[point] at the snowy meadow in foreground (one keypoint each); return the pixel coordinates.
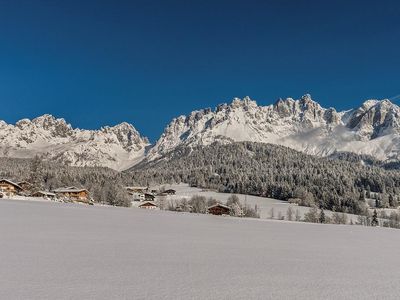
(62, 251)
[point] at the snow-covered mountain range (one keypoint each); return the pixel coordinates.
(117, 147)
(372, 129)
(304, 125)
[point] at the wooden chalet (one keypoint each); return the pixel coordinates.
(9, 188)
(219, 209)
(149, 197)
(148, 205)
(44, 194)
(73, 194)
(170, 192)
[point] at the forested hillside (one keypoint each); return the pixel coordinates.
(277, 172)
(105, 185)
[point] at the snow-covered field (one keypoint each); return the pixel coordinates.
(264, 205)
(66, 251)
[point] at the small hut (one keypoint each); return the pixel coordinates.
(219, 209)
(148, 205)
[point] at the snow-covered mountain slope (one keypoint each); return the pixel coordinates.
(302, 124)
(117, 147)
(372, 129)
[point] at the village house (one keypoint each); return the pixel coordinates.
(44, 194)
(9, 188)
(219, 209)
(73, 194)
(148, 205)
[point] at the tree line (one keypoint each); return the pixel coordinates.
(277, 172)
(105, 185)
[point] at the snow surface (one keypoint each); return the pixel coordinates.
(64, 251)
(264, 205)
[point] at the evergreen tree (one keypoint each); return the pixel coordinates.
(374, 221)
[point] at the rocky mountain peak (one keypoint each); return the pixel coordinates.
(301, 124)
(375, 118)
(245, 103)
(54, 138)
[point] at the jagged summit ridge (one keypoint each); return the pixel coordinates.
(53, 138)
(301, 124)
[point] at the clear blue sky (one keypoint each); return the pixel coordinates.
(103, 62)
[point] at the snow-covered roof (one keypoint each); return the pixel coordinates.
(219, 205)
(147, 203)
(11, 182)
(69, 190)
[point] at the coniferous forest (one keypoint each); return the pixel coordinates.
(339, 183)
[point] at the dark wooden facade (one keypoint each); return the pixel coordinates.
(219, 209)
(73, 194)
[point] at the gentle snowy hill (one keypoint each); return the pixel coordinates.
(61, 251)
(304, 125)
(117, 147)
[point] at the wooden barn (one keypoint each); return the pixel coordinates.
(9, 188)
(73, 194)
(219, 209)
(148, 205)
